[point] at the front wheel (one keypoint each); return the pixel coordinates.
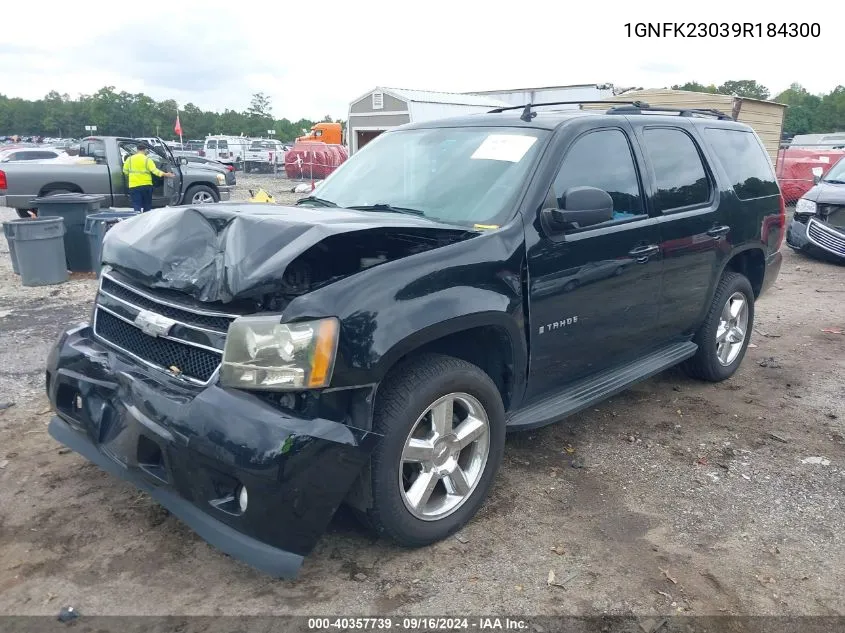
(201, 194)
(443, 424)
(723, 338)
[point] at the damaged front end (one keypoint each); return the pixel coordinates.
(818, 226)
(190, 384)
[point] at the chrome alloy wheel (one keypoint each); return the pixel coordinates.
(202, 197)
(733, 328)
(444, 456)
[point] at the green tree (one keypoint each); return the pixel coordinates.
(694, 86)
(126, 114)
(744, 88)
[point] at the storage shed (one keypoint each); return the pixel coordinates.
(384, 108)
(765, 117)
(550, 94)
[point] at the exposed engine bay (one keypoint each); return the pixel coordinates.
(228, 253)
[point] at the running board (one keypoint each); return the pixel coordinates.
(593, 389)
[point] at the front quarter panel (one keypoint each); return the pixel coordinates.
(389, 310)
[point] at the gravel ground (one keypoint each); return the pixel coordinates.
(685, 497)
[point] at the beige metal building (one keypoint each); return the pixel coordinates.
(765, 117)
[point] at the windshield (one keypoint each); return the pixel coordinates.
(837, 172)
(468, 175)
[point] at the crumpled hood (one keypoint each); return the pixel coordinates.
(223, 252)
(826, 193)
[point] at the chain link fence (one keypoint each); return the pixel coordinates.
(799, 167)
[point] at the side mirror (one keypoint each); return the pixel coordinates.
(99, 154)
(580, 207)
(818, 172)
(183, 161)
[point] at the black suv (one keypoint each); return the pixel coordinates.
(252, 367)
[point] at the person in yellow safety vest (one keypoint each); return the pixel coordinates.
(139, 169)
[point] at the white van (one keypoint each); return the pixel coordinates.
(226, 149)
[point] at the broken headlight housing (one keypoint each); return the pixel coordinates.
(262, 353)
(805, 207)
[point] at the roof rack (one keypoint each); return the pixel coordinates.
(627, 107)
(527, 114)
(640, 107)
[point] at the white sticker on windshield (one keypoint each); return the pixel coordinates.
(508, 147)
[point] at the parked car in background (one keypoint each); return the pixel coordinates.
(263, 155)
(21, 182)
(29, 153)
(818, 223)
(229, 170)
(227, 149)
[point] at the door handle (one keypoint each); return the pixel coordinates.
(642, 253)
(719, 231)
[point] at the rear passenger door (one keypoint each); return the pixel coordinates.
(594, 291)
(693, 229)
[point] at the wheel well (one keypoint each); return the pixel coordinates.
(751, 264)
(53, 186)
(488, 348)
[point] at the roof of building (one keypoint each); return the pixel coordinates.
(569, 87)
(431, 96)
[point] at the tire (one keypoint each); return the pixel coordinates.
(706, 364)
(402, 408)
(200, 194)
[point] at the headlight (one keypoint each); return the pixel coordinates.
(221, 179)
(805, 207)
(261, 353)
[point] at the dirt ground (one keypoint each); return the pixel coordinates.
(690, 498)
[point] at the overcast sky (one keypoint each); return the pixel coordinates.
(313, 58)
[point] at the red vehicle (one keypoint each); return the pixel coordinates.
(795, 169)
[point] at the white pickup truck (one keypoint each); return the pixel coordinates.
(263, 155)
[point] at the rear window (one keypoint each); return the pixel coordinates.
(222, 145)
(211, 145)
(745, 161)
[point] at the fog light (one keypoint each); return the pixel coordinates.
(243, 498)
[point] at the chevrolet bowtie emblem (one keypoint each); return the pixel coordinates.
(154, 324)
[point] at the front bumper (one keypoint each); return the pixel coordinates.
(225, 192)
(191, 448)
(822, 240)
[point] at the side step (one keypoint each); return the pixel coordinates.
(593, 389)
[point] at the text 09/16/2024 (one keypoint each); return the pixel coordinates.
(723, 29)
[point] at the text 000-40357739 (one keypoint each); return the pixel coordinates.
(722, 29)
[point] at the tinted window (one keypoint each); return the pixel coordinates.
(222, 145)
(603, 159)
(746, 162)
(211, 145)
(680, 175)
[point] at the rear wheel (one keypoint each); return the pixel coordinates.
(723, 338)
(444, 432)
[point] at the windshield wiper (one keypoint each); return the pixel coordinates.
(834, 181)
(382, 206)
(320, 202)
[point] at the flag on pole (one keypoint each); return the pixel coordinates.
(178, 128)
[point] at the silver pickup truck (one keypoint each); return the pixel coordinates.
(21, 183)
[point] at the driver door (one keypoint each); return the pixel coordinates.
(595, 290)
(169, 191)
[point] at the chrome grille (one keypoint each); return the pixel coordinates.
(825, 237)
(190, 345)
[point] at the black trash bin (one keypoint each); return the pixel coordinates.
(73, 208)
(96, 226)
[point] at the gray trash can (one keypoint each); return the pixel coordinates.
(40, 250)
(96, 227)
(73, 208)
(7, 231)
